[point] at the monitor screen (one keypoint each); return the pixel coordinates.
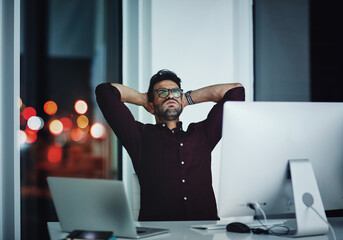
(258, 140)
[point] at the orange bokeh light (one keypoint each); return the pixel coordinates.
(82, 121)
(67, 123)
(55, 154)
(98, 131)
(77, 134)
(29, 112)
(56, 127)
(50, 107)
(81, 107)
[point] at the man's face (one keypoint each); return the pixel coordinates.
(170, 107)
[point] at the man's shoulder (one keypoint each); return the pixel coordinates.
(195, 126)
(147, 126)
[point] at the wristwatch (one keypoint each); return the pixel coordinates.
(189, 99)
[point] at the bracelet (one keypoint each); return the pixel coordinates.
(189, 99)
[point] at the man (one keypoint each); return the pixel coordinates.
(173, 166)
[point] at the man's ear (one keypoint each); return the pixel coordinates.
(151, 108)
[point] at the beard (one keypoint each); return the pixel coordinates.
(168, 114)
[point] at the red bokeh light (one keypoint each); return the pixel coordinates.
(77, 134)
(29, 112)
(67, 123)
(55, 154)
(31, 135)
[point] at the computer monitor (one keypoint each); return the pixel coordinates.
(259, 139)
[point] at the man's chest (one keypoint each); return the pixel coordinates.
(175, 150)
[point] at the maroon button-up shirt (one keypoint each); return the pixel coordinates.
(173, 166)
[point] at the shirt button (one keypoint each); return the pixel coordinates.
(182, 162)
(163, 125)
(173, 131)
(185, 198)
(183, 180)
(181, 144)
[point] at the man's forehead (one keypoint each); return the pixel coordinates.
(166, 84)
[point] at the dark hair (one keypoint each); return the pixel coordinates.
(161, 75)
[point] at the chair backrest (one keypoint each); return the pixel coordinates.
(136, 195)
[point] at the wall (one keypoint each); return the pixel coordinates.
(205, 42)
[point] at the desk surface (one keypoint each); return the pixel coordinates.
(182, 230)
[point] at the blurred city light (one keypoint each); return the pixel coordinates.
(67, 123)
(97, 131)
(77, 134)
(22, 137)
(55, 154)
(82, 121)
(61, 139)
(31, 136)
(50, 107)
(56, 127)
(81, 107)
(35, 123)
(29, 112)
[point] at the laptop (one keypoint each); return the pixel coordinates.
(95, 205)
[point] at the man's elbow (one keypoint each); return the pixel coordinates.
(236, 92)
(100, 88)
(235, 85)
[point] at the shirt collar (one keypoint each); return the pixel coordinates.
(163, 125)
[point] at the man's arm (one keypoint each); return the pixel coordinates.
(130, 95)
(213, 93)
(213, 122)
(119, 117)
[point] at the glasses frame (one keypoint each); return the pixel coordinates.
(172, 90)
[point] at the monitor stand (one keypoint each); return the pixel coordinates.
(306, 194)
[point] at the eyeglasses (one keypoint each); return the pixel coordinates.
(164, 92)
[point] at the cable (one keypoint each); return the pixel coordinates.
(308, 200)
(261, 210)
(268, 229)
(330, 227)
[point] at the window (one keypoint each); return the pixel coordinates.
(66, 50)
(297, 51)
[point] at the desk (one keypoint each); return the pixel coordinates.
(181, 230)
